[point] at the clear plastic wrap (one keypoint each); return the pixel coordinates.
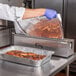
(46, 28)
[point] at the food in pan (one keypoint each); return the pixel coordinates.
(46, 28)
(28, 55)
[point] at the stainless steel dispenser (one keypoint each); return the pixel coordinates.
(61, 47)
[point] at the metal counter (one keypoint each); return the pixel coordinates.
(51, 68)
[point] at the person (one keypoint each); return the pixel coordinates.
(15, 14)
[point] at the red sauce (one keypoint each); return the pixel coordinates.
(28, 55)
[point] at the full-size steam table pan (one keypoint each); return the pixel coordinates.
(26, 61)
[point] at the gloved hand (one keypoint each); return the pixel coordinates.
(49, 13)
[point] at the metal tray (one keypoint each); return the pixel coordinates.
(26, 61)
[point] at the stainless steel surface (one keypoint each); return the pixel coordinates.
(67, 70)
(12, 2)
(33, 3)
(61, 47)
(51, 68)
(52, 4)
(26, 61)
(4, 1)
(4, 37)
(71, 22)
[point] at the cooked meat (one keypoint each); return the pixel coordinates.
(28, 55)
(47, 28)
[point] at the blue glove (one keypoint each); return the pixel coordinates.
(49, 13)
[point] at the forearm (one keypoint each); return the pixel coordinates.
(29, 13)
(13, 13)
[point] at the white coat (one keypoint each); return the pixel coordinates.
(12, 13)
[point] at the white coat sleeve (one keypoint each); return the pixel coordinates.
(11, 12)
